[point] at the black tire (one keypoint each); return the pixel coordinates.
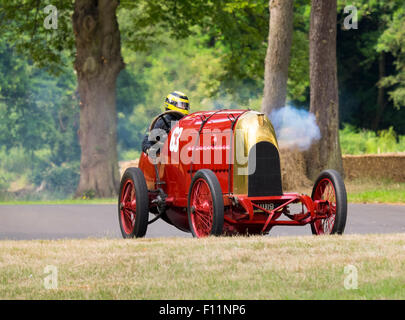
(142, 203)
(341, 200)
(217, 202)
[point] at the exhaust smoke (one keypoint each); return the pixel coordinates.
(295, 128)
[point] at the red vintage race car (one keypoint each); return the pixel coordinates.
(218, 173)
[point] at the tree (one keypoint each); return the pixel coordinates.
(97, 49)
(324, 101)
(95, 42)
(98, 63)
(278, 55)
(276, 74)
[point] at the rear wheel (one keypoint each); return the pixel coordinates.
(133, 204)
(205, 205)
(330, 187)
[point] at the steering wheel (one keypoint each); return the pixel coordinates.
(161, 116)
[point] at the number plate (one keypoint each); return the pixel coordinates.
(267, 206)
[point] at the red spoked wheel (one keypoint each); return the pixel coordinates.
(330, 188)
(201, 208)
(133, 204)
(205, 205)
(128, 207)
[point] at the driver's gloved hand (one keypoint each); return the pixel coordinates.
(153, 153)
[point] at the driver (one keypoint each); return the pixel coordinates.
(177, 106)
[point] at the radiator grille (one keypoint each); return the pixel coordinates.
(266, 179)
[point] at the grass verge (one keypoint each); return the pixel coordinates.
(385, 191)
(370, 191)
(65, 201)
(213, 268)
(358, 191)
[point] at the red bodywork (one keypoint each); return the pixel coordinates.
(242, 214)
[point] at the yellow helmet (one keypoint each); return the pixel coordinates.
(178, 101)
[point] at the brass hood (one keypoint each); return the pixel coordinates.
(252, 127)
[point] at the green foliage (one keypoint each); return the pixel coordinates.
(20, 117)
(393, 40)
(238, 27)
(14, 169)
(38, 126)
(187, 65)
(355, 141)
(62, 179)
(359, 73)
(22, 24)
(25, 173)
(131, 130)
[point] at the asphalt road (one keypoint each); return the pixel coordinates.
(27, 222)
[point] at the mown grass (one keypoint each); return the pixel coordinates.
(214, 268)
(370, 191)
(383, 191)
(379, 196)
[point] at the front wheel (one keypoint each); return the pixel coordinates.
(205, 205)
(133, 204)
(330, 187)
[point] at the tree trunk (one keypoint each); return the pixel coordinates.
(381, 102)
(278, 55)
(275, 86)
(98, 63)
(326, 153)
